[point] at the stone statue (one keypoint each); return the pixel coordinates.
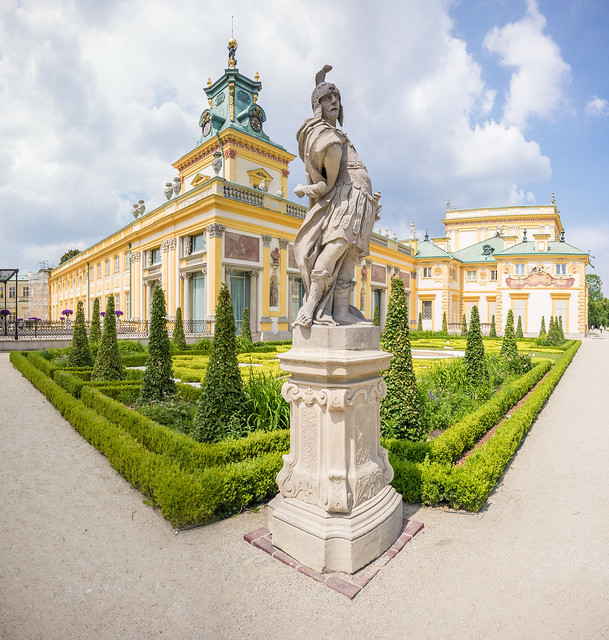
(335, 234)
(413, 230)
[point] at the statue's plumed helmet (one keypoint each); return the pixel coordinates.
(323, 88)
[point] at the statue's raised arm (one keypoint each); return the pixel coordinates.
(335, 234)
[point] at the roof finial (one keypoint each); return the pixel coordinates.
(562, 235)
(232, 50)
(553, 198)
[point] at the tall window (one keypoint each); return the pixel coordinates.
(493, 275)
(426, 272)
(11, 292)
(426, 310)
(127, 305)
(297, 292)
(25, 292)
(198, 243)
(108, 267)
(198, 301)
(127, 259)
(117, 264)
(99, 271)
(156, 255)
(240, 293)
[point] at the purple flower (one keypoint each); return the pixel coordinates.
(66, 312)
(5, 312)
(102, 313)
(118, 313)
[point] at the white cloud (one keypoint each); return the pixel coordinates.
(537, 84)
(597, 107)
(100, 98)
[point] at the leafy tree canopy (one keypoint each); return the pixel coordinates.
(70, 253)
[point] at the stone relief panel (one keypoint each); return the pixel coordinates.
(240, 247)
(378, 273)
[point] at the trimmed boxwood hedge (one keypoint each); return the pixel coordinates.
(435, 480)
(184, 497)
(194, 483)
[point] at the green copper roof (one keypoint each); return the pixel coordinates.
(427, 249)
(555, 248)
(483, 251)
(233, 105)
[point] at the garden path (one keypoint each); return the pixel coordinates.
(83, 557)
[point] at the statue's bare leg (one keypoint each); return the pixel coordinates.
(342, 313)
(320, 281)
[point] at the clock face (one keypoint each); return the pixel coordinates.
(256, 123)
(207, 127)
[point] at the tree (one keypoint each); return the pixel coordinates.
(80, 354)
(519, 333)
(108, 364)
(246, 344)
(222, 402)
(542, 329)
(464, 326)
(158, 383)
(95, 331)
(493, 330)
(595, 284)
(444, 323)
(420, 323)
(68, 254)
(561, 333)
(376, 316)
(400, 408)
(509, 348)
(179, 339)
(475, 360)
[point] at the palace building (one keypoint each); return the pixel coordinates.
(227, 218)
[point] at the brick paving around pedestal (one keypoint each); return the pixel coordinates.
(349, 586)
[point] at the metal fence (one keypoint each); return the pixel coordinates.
(11, 330)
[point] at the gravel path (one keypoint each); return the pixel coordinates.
(83, 557)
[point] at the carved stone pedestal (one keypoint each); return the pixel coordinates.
(336, 510)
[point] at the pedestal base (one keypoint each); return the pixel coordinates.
(326, 541)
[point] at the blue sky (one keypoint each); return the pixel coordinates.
(483, 103)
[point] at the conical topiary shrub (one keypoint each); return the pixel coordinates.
(444, 323)
(246, 344)
(475, 361)
(179, 339)
(80, 354)
(519, 333)
(464, 326)
(493, 330)
(561, 333)
(509, 348)
(108, 364)
(95, 331)
(420, 323)
(158, 383)
(400, 409)
(542, 329)
(376, 317)
(222, 403)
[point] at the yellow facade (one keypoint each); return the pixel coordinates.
(232, 222)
